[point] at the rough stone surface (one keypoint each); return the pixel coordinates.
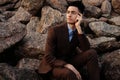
(111, 65)
(10, 33)
(27, 40)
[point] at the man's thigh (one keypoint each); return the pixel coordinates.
(82, 58)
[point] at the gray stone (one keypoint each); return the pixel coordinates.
(21, 16)
(27, 63)
(111, 65)
(115, 20)
(32, 6)
(93, 11)
(8, 72)
(99, 40)
(58, 4)
(104, 29)
(10, 33)
(34, 42)
(106, 8)
(48, 19)
(92, 2)
(116, 6)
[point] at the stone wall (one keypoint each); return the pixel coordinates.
(23, 31)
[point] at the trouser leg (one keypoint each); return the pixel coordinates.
(88, 58)
(63, 74)
(45, 76)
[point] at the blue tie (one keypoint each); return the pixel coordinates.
(71, 35)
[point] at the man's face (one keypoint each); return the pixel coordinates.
(71, 14)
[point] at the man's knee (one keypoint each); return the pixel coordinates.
(63, 73)
(92, 52)
(91, 55)
(67, 72)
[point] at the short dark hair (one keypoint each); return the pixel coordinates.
(77, 4)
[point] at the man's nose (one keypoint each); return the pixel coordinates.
(69, 14)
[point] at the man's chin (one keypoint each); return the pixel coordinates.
(70, 22)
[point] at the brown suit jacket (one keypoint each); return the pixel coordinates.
(58, 48)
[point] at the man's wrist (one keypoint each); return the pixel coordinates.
(66, 65)
(72, 68)
(79, 30)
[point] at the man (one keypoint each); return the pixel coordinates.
(67, 49)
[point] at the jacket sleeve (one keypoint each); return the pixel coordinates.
(83, 42)
(50, 50)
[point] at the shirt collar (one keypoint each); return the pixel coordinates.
(69, 29)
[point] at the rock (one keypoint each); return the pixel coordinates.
(97, 41)
(34, 42)
(21, 16)
(104, 29)
(27, 63)
(48, 19)
(104, 44)
(103, 19)
(58, 4)
(111, 65)
(106, 8)
(92, 11)
(8, 14)
(73, 0)
(10, 33)
(2, 2)
(8, 72)
(32, 6)
(37, 16)
(115, 20)
(2, 18)
(116, 6)
(7, 7)
(108, 46)
(92, 2)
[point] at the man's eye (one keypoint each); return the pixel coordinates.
(67, 12)
(73, 12)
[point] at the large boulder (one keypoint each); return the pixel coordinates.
(58, 4)
(116, 6)
(33, 43)
(111, 65)
(104, 29)
(10, 33)
(8, 72)
(92, 2)
(32, 6)
(21, 16)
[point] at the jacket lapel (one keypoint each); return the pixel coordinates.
(65, 34)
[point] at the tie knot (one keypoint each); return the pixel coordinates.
(73, 32)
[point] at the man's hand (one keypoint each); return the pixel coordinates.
(78, 22)
(72, 68)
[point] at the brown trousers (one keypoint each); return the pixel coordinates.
(88, 59)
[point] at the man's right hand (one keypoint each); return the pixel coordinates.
(72, 68)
